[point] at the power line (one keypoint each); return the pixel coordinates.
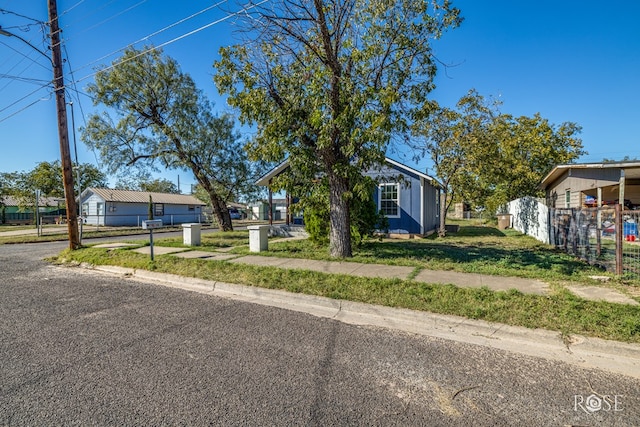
(24, 97)
(25, 55)
(25, 28)
(75, 88)
(72, 7)
(153, 34)
(23, 108)
(5, 11)
(19, 75)
(105, 20)
(93, 12)
(190, 33)
(23, 79)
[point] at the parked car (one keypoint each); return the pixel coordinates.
(235, 213)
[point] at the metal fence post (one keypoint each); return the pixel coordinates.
(619, 237)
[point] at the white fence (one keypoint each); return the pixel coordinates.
(530, 216)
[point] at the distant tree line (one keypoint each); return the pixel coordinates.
(46, 177)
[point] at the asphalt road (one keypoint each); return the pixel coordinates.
(80, 348)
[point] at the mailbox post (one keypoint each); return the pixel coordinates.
(150, 225)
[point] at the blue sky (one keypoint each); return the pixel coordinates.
(568, 60)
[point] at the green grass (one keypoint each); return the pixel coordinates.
(561, 311)
(88, 233)
(11, 227)
(210, 241)
(474, 249)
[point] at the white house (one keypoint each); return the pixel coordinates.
(104, 206)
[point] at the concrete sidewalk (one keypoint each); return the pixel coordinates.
(465, 280)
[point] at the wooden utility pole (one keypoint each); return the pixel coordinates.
(63, 128)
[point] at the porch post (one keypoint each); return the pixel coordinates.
(619, 237)
(621, 190)
(599, 222)
(288, 202)
(270, 204)
(422, 206)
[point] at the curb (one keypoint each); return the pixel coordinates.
(585, 352)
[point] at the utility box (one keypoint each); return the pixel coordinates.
(151, 224)
(258, 238)
(504, 221)
(191, 234)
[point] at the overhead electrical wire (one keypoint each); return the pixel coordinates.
(74, 81)
(23, 79)
(78, 93)
(24, 97)
(122, 12)
(190, 33)
(5, 11)
(18, 75)
(21, 110)
(111, 17)
(25, 55)
(147, 37)
(71, 8)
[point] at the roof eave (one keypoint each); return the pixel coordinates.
(266, 178)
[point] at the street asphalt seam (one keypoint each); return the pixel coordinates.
(585, 352)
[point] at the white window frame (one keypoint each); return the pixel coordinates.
(567, 199)
(100, 209)
(380, 189)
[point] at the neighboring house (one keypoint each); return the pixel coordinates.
(236, 211)
(593, 184)
(103, 206)
(260, 210)
(14, 212)
(408, 198)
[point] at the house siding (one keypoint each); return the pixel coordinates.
(581, 181)
(431, 219)
(132, 214)
(91, 215)
(411, 195)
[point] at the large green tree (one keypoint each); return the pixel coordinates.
(162, 118)
(47, 178)
(529, 148)
(328, 82)
(486, 157)
(458, 142)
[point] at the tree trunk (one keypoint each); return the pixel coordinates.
(221, 212)
(442, 230)
(340, 227)
(218, 205)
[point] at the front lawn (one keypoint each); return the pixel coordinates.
(474, 249)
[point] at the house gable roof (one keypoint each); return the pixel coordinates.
(128, 196)
(264, 179)
(561, 169)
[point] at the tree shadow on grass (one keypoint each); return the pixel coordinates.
(480, 253)
(477, 231)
